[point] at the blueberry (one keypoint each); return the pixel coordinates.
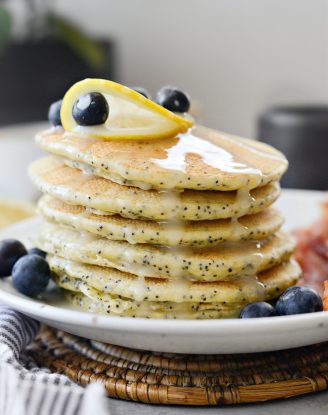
(173, 99)
(90, 109)
(10, 251)
(31, 275)
(259, 309)
(54, 113)
(298, 300)
(141, 91)
(36, 251)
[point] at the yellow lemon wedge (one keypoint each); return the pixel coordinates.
(131, 115)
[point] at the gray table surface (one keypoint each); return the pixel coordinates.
(313, 404)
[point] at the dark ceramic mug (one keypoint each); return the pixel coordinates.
(301, 133)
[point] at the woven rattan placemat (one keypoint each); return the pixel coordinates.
(175, 379)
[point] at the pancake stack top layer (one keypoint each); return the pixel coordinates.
(171, 228)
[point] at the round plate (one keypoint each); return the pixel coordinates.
(179, 336)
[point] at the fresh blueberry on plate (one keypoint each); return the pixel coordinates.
(173, 99)
(141, 91)
(54, 113)
(31, 275)
(90, 109)
(37, 251)
(298, 300)
(10, 251)
(259, 309)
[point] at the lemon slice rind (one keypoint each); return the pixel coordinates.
(131, 116)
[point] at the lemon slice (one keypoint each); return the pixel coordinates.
(131, 115)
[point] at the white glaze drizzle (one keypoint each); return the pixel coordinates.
(211, 154)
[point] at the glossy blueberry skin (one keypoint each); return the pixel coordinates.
(298, 300)
(141, 91)
(31, 275)
(37, 251)
(90, 109)
(54, 113)
(10, 251)
(259, 309)
(173, 99)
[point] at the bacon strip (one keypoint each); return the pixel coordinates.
(312, 252)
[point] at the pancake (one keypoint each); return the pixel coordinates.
(268, 285)
(88, 298)
(202, 159)
(70, 185)
(196, 233)
(119, 307)
(227, 260)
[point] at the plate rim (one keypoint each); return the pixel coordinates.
(264, 324)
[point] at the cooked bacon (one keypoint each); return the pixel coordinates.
(312, 251)
(325, 296)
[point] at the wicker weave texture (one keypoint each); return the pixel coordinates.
(184, 379)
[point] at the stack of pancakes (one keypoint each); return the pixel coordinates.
(169, 228)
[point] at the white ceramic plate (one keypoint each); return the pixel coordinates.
(180, 336)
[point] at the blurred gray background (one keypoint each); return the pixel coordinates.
(234, 57)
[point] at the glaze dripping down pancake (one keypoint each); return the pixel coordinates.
(202, 159)
(265, 285)
(174, 233)
(223, 262)
(72, 186)
(83, 287)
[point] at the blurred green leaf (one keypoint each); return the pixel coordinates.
(5, 26)
(81, 44)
